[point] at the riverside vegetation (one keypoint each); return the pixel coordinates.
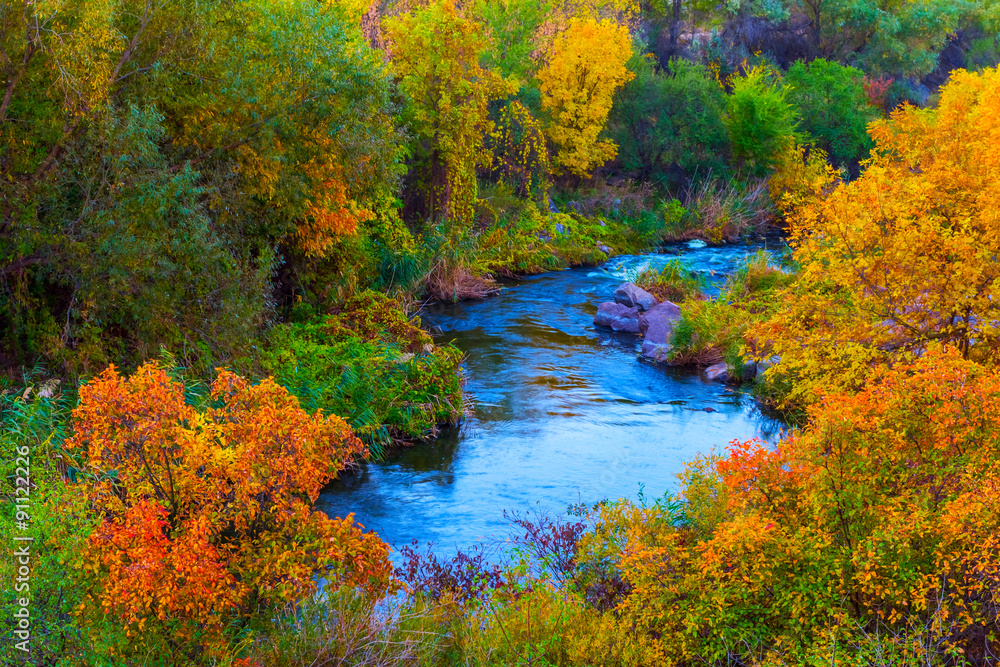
(218, 218)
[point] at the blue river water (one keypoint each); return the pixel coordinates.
(564, 412)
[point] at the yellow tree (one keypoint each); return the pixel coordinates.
(437, 52)
(906, 254)
(584, 68)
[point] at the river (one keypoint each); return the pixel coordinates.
(564, 413)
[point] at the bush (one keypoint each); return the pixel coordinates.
(760, 119)
(204, 530)
(674, 282)
(661, 119)
(372, 366)
(834, 108)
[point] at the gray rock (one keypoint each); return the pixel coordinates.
(603, 248)
(552, 205)
(655, 351)
(657, 326)
(560, 228)
(717, 372)
(696, 243)
(618, 317)
(575, 206)
(632, 295)
(657, 323)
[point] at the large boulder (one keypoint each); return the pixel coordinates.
(657, 325)
(618, 317)
(632, 295)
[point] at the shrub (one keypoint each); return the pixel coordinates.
(373, 366)
(674, 282)
(760, 119)
(834, 108)
(203, 527)
(663, 118)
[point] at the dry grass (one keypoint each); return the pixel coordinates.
(726, 211)
(622, 199)
(348, 630)
(456, 282)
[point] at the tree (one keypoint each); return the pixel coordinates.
(896, 37)
(204, 520)
(831, 101)
(903, 256)
(584, 67)
(762, 124)
(869, 537)
(664, 118)
(209, 136)
(437, 52)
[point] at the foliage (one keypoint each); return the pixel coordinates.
(847, 525)
(801, 174)
(760, 119)
(202, 523)
(584, 67)
(32, 430)
(900, 38)
(437, 52)
(372, 365)
(722, 211)
(714, 330)
(901, 257)
(349, 629)
(661, 119)
(674, 282)
(519, 154)
(153, 175)
(831, 101)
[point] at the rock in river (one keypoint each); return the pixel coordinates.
(717, 372)
(631, 295)
(657, 324)
(618, 317)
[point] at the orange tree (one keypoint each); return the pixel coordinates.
(903, 256)
(205, 523)
(872, 537)
(585, 66)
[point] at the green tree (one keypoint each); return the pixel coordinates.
(831, 101)
(662, 118)
(761, 122)
(152, 175)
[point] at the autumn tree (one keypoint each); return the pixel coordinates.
(584, 67)
(250, 130)
(903, 256)
(205, 517)
(437, 52)
(870, 537)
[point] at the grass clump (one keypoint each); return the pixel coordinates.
(711, 331)
(674, 282)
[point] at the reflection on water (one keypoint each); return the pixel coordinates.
(564, 413)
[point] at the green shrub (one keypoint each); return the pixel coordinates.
(662, 118)
(674, 282)
(831, 100)
(371, 366)
(760, 119)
